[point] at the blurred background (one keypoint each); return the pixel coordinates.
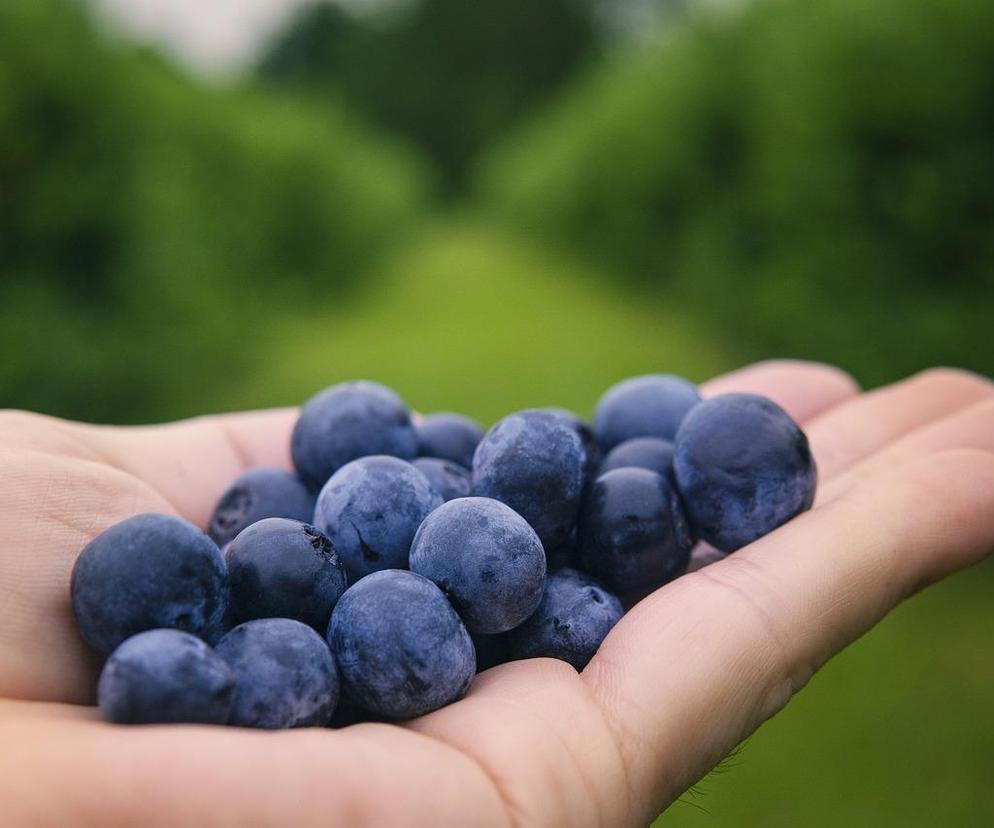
(501, 203)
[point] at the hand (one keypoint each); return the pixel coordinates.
(906, 497)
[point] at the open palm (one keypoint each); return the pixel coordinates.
(906, 497)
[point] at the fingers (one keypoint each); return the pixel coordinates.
(802, 389)
(706, 659)
(970, 427)
(191, 462)
(859, 427)
(63, 772)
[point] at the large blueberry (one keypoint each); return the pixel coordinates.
(743, 468)
(370, 509)
(165, 676)
(534, 464)
(633, 532)
(449, 436)
(575, 616)
(284, 675)
(646, 406)
(486, 558)
(281, 568)
(146, 572)
(449, 479)
(258, 494)
(347, 421)
(591, 448)
(400, 647)
(643, 453)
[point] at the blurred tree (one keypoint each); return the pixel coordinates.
(816, 179)
(446, 74)
(147, 223)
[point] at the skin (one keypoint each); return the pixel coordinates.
(907, 498)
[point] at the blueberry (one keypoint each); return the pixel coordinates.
(491, 650)
(347, 421)
(743, 467)
(281, 568)
(258, 494)
(449, 479)
(647, 406)
(146, 572)
(486, 559)
(534, 464)
(643, 453)
(575, 616)
(370, 509)
(400, 647)
(449, 436)
(633, 531)
(591, 448)
(165, 676)
(284, 675)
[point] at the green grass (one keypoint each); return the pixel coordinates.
(469, 319)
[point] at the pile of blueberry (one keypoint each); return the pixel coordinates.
(403, 555)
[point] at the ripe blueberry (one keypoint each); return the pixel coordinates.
(165, 676)
(347, 421)
(486, 558)
(646, 406)
(284, 675)
(534, 464)
(258, 494)
(280, 568)
(370, 510)
(146, 572)
(400, 647)
(743, 468)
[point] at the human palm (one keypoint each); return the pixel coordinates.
(906, 496)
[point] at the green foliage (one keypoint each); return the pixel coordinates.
(813, 178)
(445, 74)
(148, 222)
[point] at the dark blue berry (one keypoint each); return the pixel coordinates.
(743, 468)
(646, 406)
(574, 617)
(348, 421)
(165, 676)
(258, 494)
(146, 572)
(534, 464)
(400, 647)
(449, 436)
(370, 510)
(284, 675)
(280, 568)
(633, 532)
(643, 453)
(486, 558)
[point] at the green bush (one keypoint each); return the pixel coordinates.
(446, 75)
(814, 178)
(149, 223)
